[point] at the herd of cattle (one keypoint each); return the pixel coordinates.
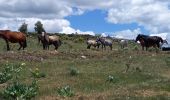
(46, 40)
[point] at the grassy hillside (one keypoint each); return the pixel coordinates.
(101, 74)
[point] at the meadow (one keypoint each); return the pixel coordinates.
(92, 74)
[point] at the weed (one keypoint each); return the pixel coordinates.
(157, 50)
(112, 79)
(37, 73)
(79, 40)
(74, 71)
(167, 60)
(135, 48)
(19, 91)
(65, 91)
(9, 71)
(128, 63)
(6, 74)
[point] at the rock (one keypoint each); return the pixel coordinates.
(84, 57)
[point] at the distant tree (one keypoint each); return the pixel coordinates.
(23, 28)
(39, 27)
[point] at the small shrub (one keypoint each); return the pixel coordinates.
(125, 50)
(157, 50)
(128, 63)
(111, 79)
(127, 66)
(79, 40)
(17, 90)
(135, 48)
(167, 60)
(6, 74)
(74, 71)
(65, 91)
(9, 71)
(37, 73)
(65, 37)
(4, 77)
(70, 46)
(150, 49)
(21, 91)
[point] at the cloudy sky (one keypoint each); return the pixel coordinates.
(121, 18)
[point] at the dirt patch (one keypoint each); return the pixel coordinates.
(21, 56)
(27, 56)
(150, 93)
(50, 98)
(4, 85)
(89, 54)
(77, 97)
(105, 95)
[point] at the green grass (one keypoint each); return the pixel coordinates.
(93, 71)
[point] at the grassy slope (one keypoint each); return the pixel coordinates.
(152, 82)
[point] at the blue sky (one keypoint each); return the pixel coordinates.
(124, 18)
(96, 21)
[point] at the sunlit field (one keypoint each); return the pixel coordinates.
(97, 74)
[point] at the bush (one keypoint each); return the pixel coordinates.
(74, 71)
(21, 91)
(65, 37)
(6, 74)
(37, 74)
(65, 91)
(135, 48)
(17, 90)
(167, 60)
(157, 50)
(111, 79)
(79, 40)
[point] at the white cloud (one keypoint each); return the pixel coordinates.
(104, 35)
(168, 38)
(152, 14)
(91, 4)
(50, 25)
(34, 8)
(127, 34)
(162, 35)
(69, 30)
(51, 13)
(85, 33)
(54, 25)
